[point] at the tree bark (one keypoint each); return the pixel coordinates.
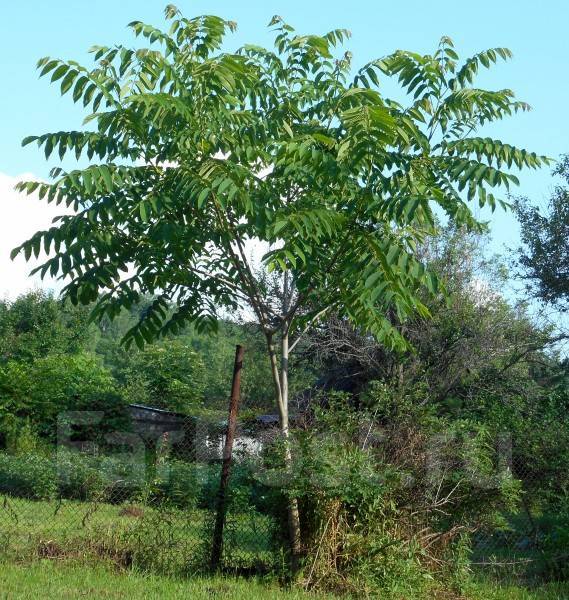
(293, 512)
(280, 380)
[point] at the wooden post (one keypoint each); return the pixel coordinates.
(226, 465)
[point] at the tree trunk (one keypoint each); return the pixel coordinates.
(293, 512)
(280, 380)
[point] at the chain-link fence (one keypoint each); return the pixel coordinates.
(530, 540)
(147, 496)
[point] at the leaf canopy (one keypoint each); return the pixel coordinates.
(195, 152)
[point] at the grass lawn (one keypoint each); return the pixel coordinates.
(62, 580)
(167, 541)
(51, 579)
(75, 550)
(550, 591)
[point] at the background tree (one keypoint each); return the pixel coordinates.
(202, 153)
(479, 363)
(473, 338)
(216, 357)
(169, 375)
(40, 392)
(37, 324)
(544, 255)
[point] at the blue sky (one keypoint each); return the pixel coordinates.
(535, 32)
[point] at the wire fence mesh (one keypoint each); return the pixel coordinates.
(531, 540)
(148, 497)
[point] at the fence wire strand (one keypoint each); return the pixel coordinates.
(149, 499)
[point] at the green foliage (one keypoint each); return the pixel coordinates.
(216, 352)
(65, 474)
(544, 254)
(486, 375)
(475, 342)
(22, 438)
(183, 131)
(196, 154)
(73, 475)
(186, 372)
(536, 424)
(171, 483)
(28, 475)
(182, 484)
(387, 498)
(37, 324)
(79, 476)
(45, 389)
(170, 375)
(556, 543)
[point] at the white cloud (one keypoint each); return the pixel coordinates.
(20, 217)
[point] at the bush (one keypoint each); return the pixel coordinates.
(42, 391)
(78, 476)
(113, 478)
(70, 475)
(37, 324)
(168, 375)
(28, 476)
(537, 423)
(106, 478)
(555, 531)
(387, 497)
(183, 484)
(246, 489)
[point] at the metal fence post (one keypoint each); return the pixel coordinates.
(226, 465)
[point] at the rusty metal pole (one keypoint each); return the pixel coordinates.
(226, 465)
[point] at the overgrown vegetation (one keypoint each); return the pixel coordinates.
(204, 152)
(401, 477)
(429, 429)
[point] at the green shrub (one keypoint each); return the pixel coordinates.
(167, 375)
(387, 496)
(246, 489)
(22, 438)
(125, 478)
(555, 528)
(78, 476)
(28, 476)
(46, 389)
(71, 475)
(181, 484)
